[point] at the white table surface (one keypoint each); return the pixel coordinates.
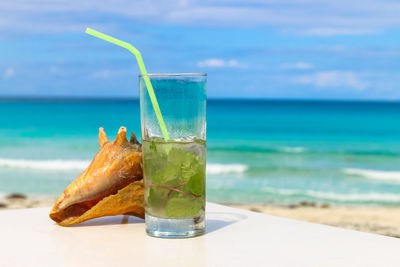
(234, 238)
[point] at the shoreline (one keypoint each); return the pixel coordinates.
(373, 219)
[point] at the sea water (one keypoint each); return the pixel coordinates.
(257, 151)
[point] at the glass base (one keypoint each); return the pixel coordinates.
(174, 228)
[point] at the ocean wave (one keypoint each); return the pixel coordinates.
(50, 165)
(355, 197)
(258, 149)
(287, 192)
(290, 149)
(361, 197)
(213, 168)
(390, 176)
(64, 165)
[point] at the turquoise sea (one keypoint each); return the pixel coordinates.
(257, 151)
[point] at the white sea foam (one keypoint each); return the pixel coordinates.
(213, 168)
(58, 164)
(288, 192)
(337, 196)
(294, 149)
(50, 165)
(355, 197)
(391, 176)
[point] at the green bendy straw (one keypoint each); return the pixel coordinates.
(139, 59)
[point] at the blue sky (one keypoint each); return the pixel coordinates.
(302, 49)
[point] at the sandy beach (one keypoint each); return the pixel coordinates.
(374, 219)
(23, 201)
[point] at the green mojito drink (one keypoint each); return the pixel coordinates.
(175, 178)
(174, 164)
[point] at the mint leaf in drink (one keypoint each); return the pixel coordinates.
(157, 166)
(180, 156)
(152, 165)
(156, 200)
(175, 173)
(182, 206)
(186, 160)
(197, 183)
(187, 172)
(165, 174)
(153, 146)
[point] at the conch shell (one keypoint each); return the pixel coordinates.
(111, 185)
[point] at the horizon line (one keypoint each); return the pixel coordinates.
(117, 98)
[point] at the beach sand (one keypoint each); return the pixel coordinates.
(378, 220)
(22, 201)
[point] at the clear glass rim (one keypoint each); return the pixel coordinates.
(173, 74)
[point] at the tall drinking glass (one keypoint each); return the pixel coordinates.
(174, 170)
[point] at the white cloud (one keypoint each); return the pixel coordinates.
(112, 73)
(331, 31)
(340, 17)
(220, 63)
(9, 73)
(102, 74)
(296, 66)
(332, 79)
